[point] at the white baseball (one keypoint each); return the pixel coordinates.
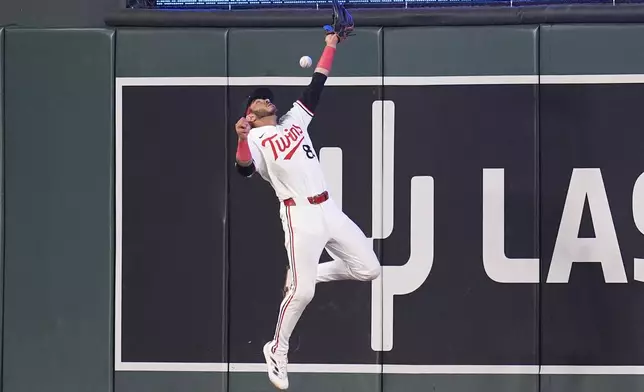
(305, 62)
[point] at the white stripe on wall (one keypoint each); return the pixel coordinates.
(591, 79)
(386, 369)
(379, 80)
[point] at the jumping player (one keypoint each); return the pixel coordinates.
(281, 151)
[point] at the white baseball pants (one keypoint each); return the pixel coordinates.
(309, 229)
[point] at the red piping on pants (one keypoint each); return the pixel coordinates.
(292, 294)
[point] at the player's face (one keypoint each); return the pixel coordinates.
(263, 107)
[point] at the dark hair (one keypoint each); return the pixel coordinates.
(258, 93)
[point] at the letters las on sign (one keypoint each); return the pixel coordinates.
(585, 183)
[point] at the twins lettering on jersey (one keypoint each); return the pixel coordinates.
(284, 146)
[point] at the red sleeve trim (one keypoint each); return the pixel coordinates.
(310, 113)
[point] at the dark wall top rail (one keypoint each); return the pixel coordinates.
(452, 16)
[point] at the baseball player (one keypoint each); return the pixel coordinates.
(281, 151)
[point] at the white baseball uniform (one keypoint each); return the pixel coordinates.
(284, 156)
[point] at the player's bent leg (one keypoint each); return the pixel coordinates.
(333, 270)
(355, 258)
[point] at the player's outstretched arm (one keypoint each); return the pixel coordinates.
(311, 94)
(243, 158)
(326, 59)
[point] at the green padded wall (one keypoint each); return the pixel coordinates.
(445, 52)
(58, 170)
(174, 53)
(359, 56)
(2, 176)
(58, 178)
(593, 50)
(462, 51)
(171, 52)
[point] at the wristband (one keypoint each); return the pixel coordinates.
(243, 151)
(326, 60)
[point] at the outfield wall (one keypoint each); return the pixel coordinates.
(497, 171)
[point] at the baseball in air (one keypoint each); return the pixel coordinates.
(305, 62)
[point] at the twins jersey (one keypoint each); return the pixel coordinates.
(284, 155)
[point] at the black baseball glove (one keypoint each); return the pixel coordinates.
(342, 22)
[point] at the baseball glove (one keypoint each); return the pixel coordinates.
(341, 23)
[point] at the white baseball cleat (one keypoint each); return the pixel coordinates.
(276, 367)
